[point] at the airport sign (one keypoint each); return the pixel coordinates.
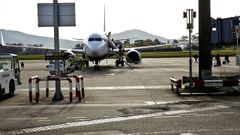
(66, 14)
(56, 56)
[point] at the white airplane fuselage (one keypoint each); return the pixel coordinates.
(96, 47)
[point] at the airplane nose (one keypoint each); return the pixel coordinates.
(96, 45)
(96, 49)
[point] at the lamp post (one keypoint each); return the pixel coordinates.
(189, 15)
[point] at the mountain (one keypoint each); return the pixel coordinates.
(139, 34)
(16, 37)
(11, 36)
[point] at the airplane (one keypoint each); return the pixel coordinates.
(101, 46)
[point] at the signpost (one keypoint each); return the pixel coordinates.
(55, 14)
(56, 56)
(66, 14)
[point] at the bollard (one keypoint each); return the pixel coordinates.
(82, 87)
(30, 87)
(37, 90)
(70, 89)
(78, 93)
(47, 89)
(70, 96)
(176, 83)
(30, 90)
(78, 90)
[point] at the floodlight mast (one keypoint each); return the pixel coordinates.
(190, 15)
(58, 93)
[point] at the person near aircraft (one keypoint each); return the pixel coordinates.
(217, 60)
(226, 59)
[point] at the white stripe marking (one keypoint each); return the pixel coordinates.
(75, 117)
(37, 118)
(186, 131)
(110, 88)
(110, 120)
(84, 105)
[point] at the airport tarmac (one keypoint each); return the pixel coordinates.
(120, 100)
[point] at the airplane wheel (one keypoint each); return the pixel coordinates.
(11, 88)
(96, 67)
(117, 63)
(122, 63)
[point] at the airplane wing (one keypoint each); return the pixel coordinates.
(150, 47)
(72, 51)
(46, 48)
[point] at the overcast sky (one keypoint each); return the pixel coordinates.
(159, 17)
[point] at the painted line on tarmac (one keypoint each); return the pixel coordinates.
(37, 118)
(188, 132)
(107, 120)
(128, 87)
(110, 88)
(146, 103)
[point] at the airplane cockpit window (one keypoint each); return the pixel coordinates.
(95, 39)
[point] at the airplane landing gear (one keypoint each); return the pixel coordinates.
(96, 66)
(119, 62)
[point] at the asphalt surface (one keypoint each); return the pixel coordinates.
(120, 101)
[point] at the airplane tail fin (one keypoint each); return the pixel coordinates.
(2, 40)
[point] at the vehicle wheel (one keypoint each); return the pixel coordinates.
(11, 88)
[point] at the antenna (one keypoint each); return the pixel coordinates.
(104, 25)
(2, 41)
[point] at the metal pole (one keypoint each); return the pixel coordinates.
(58, 94)
(190, 62)
(205, 56)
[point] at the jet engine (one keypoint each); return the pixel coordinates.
(133, 56)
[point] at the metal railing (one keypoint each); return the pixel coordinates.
(80, 93)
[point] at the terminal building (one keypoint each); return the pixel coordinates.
(223, 30)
